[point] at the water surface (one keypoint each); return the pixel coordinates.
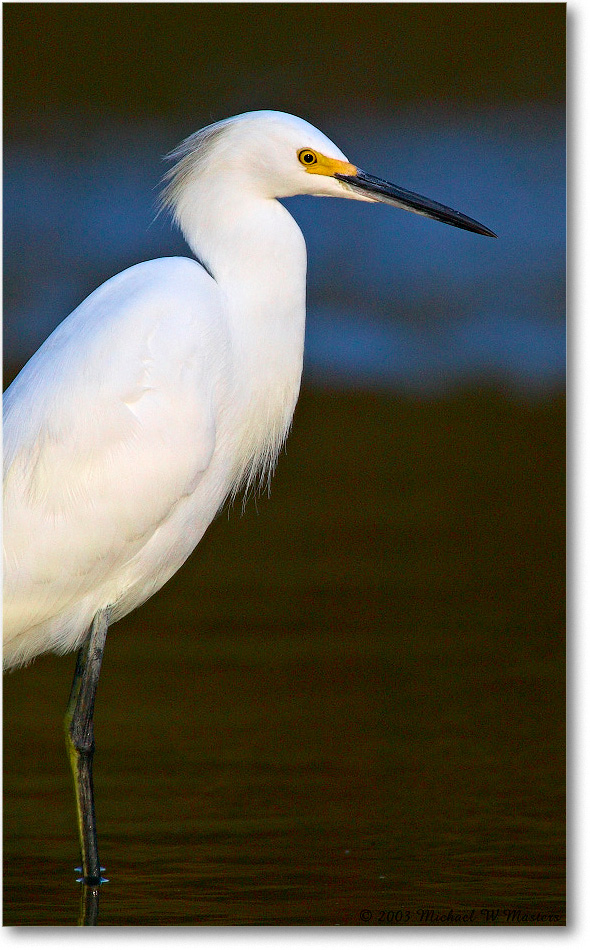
(350, 699)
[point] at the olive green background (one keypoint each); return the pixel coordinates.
(310, 58)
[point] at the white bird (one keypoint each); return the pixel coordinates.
(168, 389)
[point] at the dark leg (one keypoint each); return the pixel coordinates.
(80, 742)
(89, 901)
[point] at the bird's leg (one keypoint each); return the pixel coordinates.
(80, 742)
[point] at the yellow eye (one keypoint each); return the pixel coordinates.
(307, 157)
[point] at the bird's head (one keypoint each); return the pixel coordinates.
(275, 155)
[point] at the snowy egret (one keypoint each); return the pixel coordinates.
(168, 389)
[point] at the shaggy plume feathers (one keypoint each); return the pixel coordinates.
(190, 157)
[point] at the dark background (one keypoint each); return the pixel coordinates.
(137, 60)
(352, 695)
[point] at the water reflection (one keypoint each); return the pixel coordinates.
(89, 906)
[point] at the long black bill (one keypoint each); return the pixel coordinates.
(393, 195)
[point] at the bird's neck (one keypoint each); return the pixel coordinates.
(251, 245)
(255, 252)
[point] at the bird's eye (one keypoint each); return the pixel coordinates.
(307, 157)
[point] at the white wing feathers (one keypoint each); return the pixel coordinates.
(108, 428)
